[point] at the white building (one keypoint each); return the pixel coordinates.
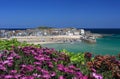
(69, 33)
(76, 33)
(82, 31)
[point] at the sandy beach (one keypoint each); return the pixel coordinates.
(46, 39)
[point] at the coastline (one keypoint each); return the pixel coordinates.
(47, 39)
(55, 39)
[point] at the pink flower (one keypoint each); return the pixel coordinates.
(36, 75)
(74, 78)
(79, 74)
(13, 71)
(23, 65)
(28, 77)
(97, 76)
(71, 71)
(50, 64)
(10, 64)
(55, 60)
(44, 71)
(66, 69)
(18, 57)
(93, 70)
(46, 76)
(60, 67)
(85, 77)
(53, 74)
(39, 58)
(6, 62)
(0, 55)
(30, 67)
(61, 77)
(37, 63)
(72, 67)
(16, 76)
(9, 58)
(38, 68)
(8, 76)
(2, 68)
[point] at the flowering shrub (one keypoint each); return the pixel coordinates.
(37, 63)
(105, 64)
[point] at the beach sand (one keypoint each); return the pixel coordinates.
(46, 39)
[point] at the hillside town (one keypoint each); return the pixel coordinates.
(57, 35)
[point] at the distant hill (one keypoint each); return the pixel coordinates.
(44, 27)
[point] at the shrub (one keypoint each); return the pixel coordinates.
(34, 63)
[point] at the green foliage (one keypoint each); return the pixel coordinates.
(44, 27)
(8, 44)
(77, 58)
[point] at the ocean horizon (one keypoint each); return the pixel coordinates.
(93, 30)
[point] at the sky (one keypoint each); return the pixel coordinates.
(60, 13)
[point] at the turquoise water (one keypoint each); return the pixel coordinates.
(107, 45)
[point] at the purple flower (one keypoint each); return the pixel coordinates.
(50, 64)
(2, 68)
(27, 77)
(2, 76)
(0, 55)
(10, 64)
(84, 77)
(30, 67)
(13, 71)
(6, 62)
(36, 75)
(60, 67)
(17, 57)
(34, 53)
(93, 70)
(79, 74)
(97, 76)
(74, 78)
(72, 67)
(8, 76)
(38, 68)
(71, 71)
(61, 77)
(23, 65)
(27, 68)
(53, 74)
(46, 76)
(66, 69)
(16, 76)
(47, 59)
(10, 58)
(39, 58)
(37, 63)
(54, 59)
(44, 71)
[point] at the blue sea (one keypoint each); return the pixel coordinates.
(106, 45)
